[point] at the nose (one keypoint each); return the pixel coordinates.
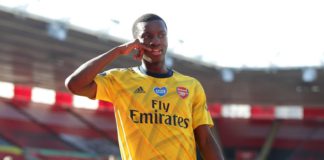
(155, 41)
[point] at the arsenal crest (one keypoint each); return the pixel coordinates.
(182, 92)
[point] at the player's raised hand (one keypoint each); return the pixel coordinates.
(127, 48)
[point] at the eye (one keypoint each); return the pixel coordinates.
(162, 35)
(147, 36)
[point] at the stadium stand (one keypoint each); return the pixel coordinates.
(269, 113)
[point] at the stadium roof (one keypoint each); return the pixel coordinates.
(32, 57)
(236, 34)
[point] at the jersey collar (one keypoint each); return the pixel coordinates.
(156, 75)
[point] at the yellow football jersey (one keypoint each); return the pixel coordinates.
(155, 116)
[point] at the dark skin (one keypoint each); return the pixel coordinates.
(151, 43)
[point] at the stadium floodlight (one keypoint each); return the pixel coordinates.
(309, 74)
(57, 30)
(7, 90)
(227, 75)
(236, 111)
(42, 95)
(84, 102)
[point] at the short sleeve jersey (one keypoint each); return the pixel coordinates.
(155, 117)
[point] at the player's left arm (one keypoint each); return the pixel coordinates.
(202, 121)
(207, 144)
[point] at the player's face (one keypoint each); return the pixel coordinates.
(153, 34)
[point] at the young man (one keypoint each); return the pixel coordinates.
(160, 113)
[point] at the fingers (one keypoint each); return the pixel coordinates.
(139, 46)
(127, 48)
(145, 48)
(135, 45)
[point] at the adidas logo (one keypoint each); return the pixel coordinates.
(139, 90)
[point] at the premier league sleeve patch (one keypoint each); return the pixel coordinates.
(182, 92)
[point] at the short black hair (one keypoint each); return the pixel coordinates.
(146, 18)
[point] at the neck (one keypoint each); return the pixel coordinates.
(158, 67)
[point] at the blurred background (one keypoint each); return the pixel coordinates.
(261, 65)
